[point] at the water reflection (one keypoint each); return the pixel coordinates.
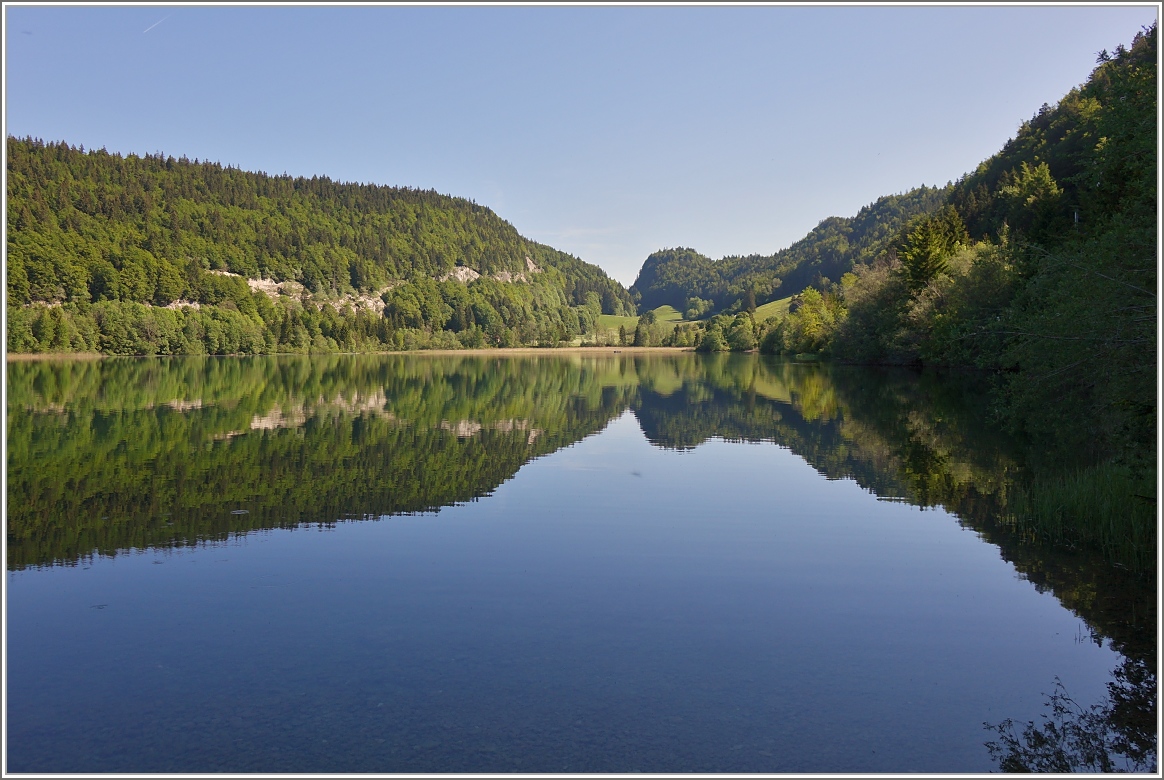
(1117, 735)
(118, 454)
(111, 455)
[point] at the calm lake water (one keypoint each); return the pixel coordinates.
(568, 563)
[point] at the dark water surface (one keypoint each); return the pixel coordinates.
(663, 563)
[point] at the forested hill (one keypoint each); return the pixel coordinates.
(1042, 264)
(680, 276)
(131, 235)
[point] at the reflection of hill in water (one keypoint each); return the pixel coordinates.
(684, 420)
(916, 437)
(111, 455)
(898, 434)
(119, 454)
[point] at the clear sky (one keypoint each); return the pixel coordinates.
(608, 132)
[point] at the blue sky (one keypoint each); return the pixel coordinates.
(608, 132)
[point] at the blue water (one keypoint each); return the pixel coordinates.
(612, 607)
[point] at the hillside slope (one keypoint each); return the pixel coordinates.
(675, 276)
(1042, 264)
(90, 228)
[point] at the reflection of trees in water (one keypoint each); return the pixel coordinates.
(917, 437)
(897, 433)
(1118, 735)
(110, 455)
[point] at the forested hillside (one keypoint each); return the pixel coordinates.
(694, 283)
(1042, 264)
(161, 255)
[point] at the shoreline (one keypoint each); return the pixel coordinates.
(17, 357)
(20, 357)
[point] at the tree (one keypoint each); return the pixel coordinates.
(696, 307)
(923, 252)
(713, 340)
(741, 334)
(1033, 198)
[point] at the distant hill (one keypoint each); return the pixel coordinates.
(674, 276)
(95, 228)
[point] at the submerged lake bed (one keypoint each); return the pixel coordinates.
(657, 563)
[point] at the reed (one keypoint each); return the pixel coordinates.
(1107, 507)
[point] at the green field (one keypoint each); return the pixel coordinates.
(777, 308)
(663, 314)
(669, 315)
(612, 322)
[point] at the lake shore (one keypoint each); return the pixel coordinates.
(27, 356)
(17, 357)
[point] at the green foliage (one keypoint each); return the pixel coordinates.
(1060, 289)
(713, 339)
(741, 334)
(682, 335)
(125, 232)
(1106, 507)
(928, 242)
(1033, 199)
(873, 299)
(696, 307)
(698, 285)
(1082, 330)
(812, 320)
(1094, 153)
(641, 339)
(748, 302)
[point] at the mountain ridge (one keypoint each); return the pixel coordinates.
(676, 276)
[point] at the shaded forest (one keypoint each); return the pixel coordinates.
(1041, 265)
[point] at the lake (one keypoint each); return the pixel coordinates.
(560, 563)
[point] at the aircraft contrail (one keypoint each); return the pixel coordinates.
(155, 24)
